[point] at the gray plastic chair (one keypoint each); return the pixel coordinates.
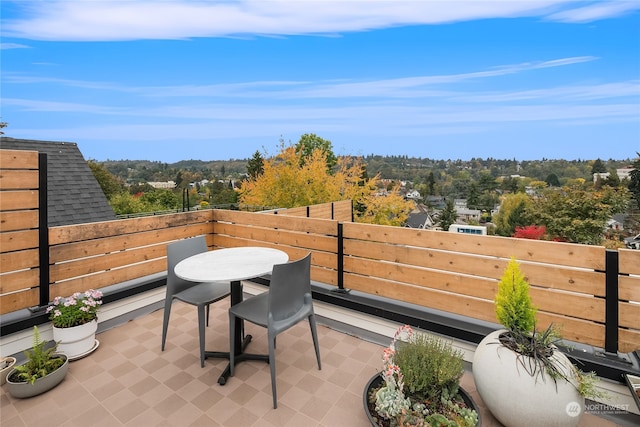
(287, 302)
(194, 293)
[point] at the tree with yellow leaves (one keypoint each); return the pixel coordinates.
(293, 178)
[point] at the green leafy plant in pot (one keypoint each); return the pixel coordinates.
(419, 385)
(519, 371)
(43, 370)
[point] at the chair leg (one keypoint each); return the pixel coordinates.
(272, 366)
(232, 347)
(201, 320)
(165, 321)
(314, 335)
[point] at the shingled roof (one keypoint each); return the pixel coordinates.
(74, 195)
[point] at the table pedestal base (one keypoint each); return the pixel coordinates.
(240, 357)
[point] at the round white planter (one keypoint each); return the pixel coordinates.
(515, 397)
(77, 340)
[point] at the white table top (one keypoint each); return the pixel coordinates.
(230, 264)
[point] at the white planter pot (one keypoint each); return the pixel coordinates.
(515, 397)
(5, 366)
(77, 340)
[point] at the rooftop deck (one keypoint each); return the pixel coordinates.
(128, 381)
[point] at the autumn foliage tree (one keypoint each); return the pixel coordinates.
(295, 178)
(576, 214)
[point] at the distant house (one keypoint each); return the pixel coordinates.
(413, 195)
(420, 220)
(159, 184)
(73, 193)
(436, 202)
(623, 173)
(616, 222)
(468, 215)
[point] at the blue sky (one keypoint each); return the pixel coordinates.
(218, 80)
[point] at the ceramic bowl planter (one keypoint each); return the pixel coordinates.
(6, 363)
(21, 389)
(515, 397)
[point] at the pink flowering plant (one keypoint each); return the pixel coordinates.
(76, 310)
(420, 387)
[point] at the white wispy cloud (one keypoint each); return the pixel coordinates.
(405, 87)
(80, 20)
(4, 46)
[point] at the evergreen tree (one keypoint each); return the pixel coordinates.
(448, 215)
(255, 166)
(634, 180)
(598, 167)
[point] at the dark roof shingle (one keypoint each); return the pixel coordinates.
(74, 195)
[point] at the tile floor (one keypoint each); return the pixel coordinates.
(128, 381)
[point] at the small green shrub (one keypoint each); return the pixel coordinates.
(40, 361)
(430, 366)
(514, 308)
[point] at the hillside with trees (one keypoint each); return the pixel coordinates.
(547, 198)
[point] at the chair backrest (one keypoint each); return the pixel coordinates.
(290, 283)
(176, 252)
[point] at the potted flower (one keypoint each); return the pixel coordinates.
(419, 384)
(43, 370)
(519, 372)
(75, 322)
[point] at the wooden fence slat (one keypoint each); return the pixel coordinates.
(66, 270)
(96, 230)
(19, 260)
(18, 159)
(18, 179)
(574, 280)
(628, 340)
(107, 245)
(18, 220)
(629, 288)
(18, 240)
(432, 298)
(251, 219)
(19, 280)
(629, 261)
(107, 278)
(18, 200)
(19, 300)
(554, 253)
(282, 236)
(629, 315)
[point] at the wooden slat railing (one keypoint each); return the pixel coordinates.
(19, 258)
(447, 271)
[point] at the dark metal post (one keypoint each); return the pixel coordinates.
(43, 229)
(611, 302)
(340, 266)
